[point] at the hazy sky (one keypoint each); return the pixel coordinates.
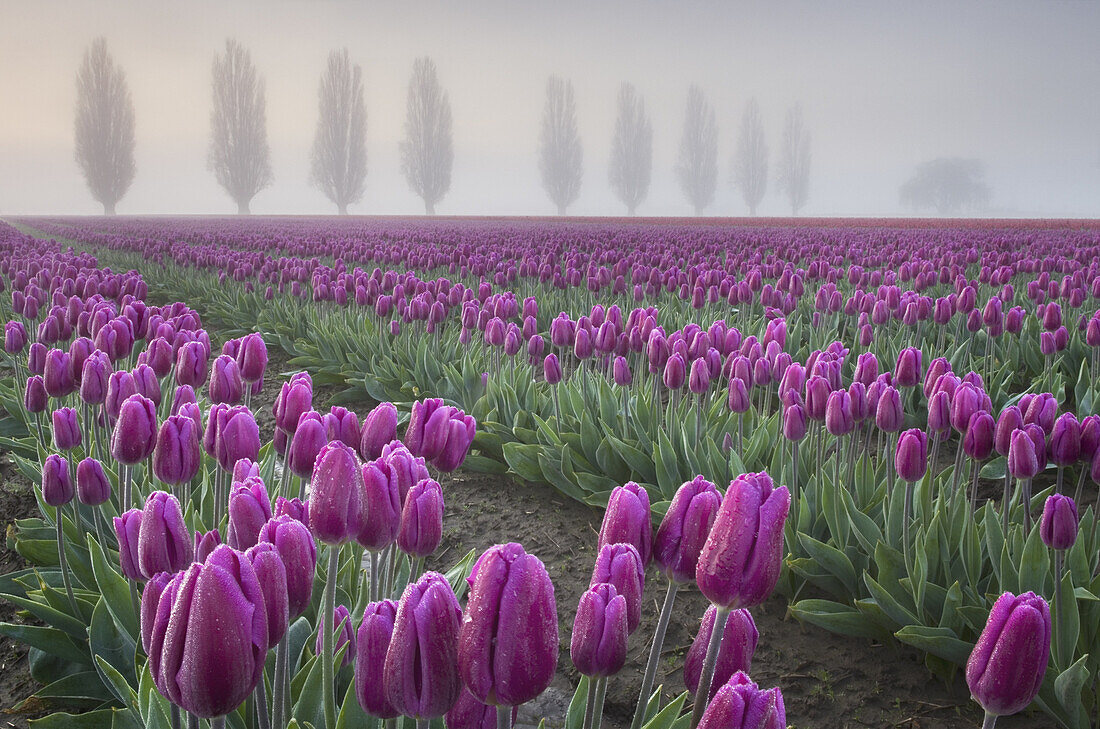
(884, 86)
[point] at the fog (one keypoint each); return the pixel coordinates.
(884, 86)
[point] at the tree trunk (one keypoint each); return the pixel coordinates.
(242, 208)
(108, 208)
(342, 208)
(429, 208)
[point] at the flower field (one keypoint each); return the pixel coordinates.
(246, 429)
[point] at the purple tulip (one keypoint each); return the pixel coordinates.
(699, 377)
(794, 422)
(627, 520)
(1065, 440)
(177, 456)
(740, 704)
(621, 566)
(135, 433)
(128, 531)
(271, 574)
(57, 373)
(92, 486)
(1007, 664)
(381, 507)
(252, 357)
(299, 552)
(551, 369)
(66, 429)
(406, 469)
(237, 436)
(978, 440)
(420, 683)
(440, 433)
(209, 636)
(15, 337)
(205, 543)
(889, 415)
(675, 372)
(150, 601)
(911, 455)
(379, 428)
(94, 378)
(57, 485)
(839, 419)
(1023, 462)
(192, 367)
(508, 643)
(226, 383)
(334, 494)
(469, 713)
(249, 510)
(1010, 420)
(741, 559)
(309, 438)
(344, 634)
(1058, 526)
(600, 632)
(684, 529)
(372, 641)
(738, 646)
(907, 372)
(421, 526)
(164, 542)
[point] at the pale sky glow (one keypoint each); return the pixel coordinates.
(884, 86)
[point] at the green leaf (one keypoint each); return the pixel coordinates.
(116, 683)
(574, 716)
(76, 688)
(109, 644)
(832, 559)
(102, 719)
(1068, 685)
(49, 640)
(837, 618)
(1034, 564)
(351, 714)
(666, 718)
(52, 616)
(940, 642)
(115, 590)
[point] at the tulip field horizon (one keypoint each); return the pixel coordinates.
(491, 472)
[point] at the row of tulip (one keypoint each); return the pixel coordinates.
(598, 425)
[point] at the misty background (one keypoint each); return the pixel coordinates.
(884, 86)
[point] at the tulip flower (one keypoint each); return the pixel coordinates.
(740, 704)
(627, 520)
(372, 641)
(1023, 464)
(128, 531)
(177, 455)
(295, 398)
(620, 565)
(238, 436)
(164, 542)
(405, 469)
(191, 364)
(309, 438)
(738, 646)
(1006, 667)
(252, 357)
(379, 428)
(343, 634)
(94, 378)
(226, 383)
(421, 526)
(508, 643)
(66, 429)
(57, 490)
(209, 635)
(424, 684)
(440, 433)
(469, 713)
(249, 510)
(205, 543)
(342, 425)
(92, 486)
(600, 632)
(1058, 530)
(299, 553)
(57, 373)
(271, 574)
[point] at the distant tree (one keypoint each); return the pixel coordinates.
(697, 168)
(427, 153)
(104, 127)
(560, 154)
(239, 155)
(794, 160)
(631, 150)
(948, 185)
(750, 161)
(339, 163)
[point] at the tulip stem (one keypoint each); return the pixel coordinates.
(218, 722)
(63, 560)
(192, 721)
(1058, 627)
(589, 703)
(262, 716)
(374, 576)
(278, 688)
(327, 637)
(990, 721)
(504, 717)
(97, 517)
(1080, 486)
(175, 718)
(702, 693)
(654, 655)
(1006, 503)
(597, 707)
(1027, 506)
(905, 526)
(127, 485)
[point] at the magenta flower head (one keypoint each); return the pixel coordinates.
(92, 485)
(907, 373)
(226, 383)
(57, 486)
(817, 395)
(421, 527)
(469, 713)
(372, 642)
(57, 373)
(252, 357)
(15, 337)
(344, 634)
(405, 469)
(380, 507)
(699, 377)
(164, 542)
(600, 632)
(1042, 411)
(206, 543)
(249, 510)
(299, 552)
(128, 531)
(889, 415)
(738, 398)
(508, 643)
(741, 559)
(839, 418)
(966, 401)
(1008, 662)
(911, 456)
(675, 372)
(209, 636)
(551, 369)
(66, 429)
(94, 378)
(135, 433)
(34, 395)
(177, 455)
(295, 508)
(379, 428)
(342, 425)
(738, 646)
(1058, 527)
(978, 441)
(1010, 421)
(237, 437)
(794, 422)
(620, 371)
(684, 529)
(120, 386)
(244, 468)
(621, 566)
(309, 437)
(740, 704)
(627, 520)
(192, 367)
(334, 494)
(1065, 440)
(271, 574)
(441, 434)
(1023, 461)
(421, 683)
(295, 398)
(150, 601)
(36, 358)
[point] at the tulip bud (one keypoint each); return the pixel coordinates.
(164, 542)
(249, 510)
(295, 398)
(794, 422)
(1011, 420)
(379, 428)
(252, 357)
(1058, 527)
(34, 396)
(600, 632)
(684, 529)
(334, 494)
(621, 372)
(381, 509)
(699, 378)
(226, 383)
(150, 601)
(627, 520)
(372, 641)
(206, 543)
(237, 436)
(271, 574)
(675, 372)
(469, 713)
(889, 416)
(551, 369)
(309, 438)
(738, 646)
(57, 373)
(839, 419)
(344, 634)
(741, 559)
(57, 486)
(421, 526)
(92, 486)
(508, 643)
(177, 456)
(738, 399)
(128, 530)
(135, 433)
(1006, 667)
(907, 373)
(405, 469)
(911, 455)
(1023, 462)
(94, 378)
(621, 566)
(299, 552)
(66, 429)
(1065, 440)
(978, 441)
(740, 704)
(419, 683)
